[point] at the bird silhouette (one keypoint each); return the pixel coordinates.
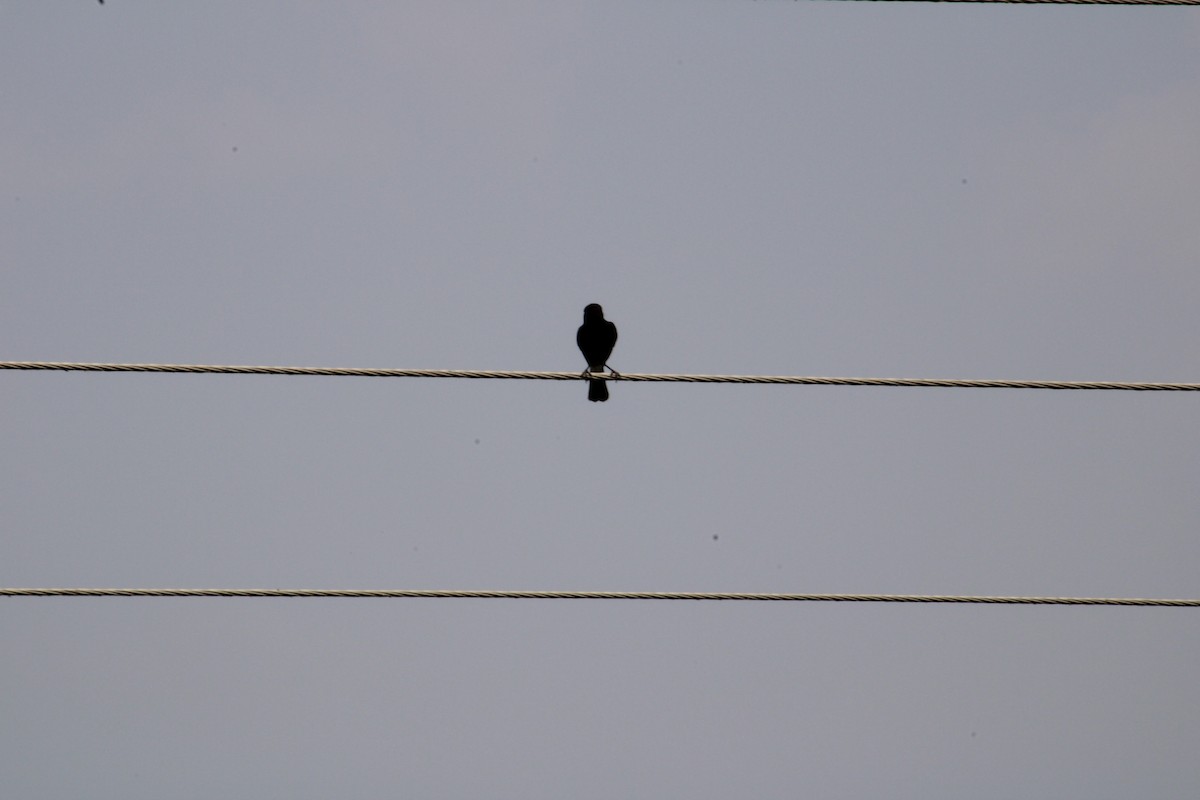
(596, 339)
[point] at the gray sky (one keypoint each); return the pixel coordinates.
(779, 188)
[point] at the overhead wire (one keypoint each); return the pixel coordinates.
(1066, 2)
(802, 380)
(487, 594)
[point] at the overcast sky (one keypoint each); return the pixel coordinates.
(897, 190)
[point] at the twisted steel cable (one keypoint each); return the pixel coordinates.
(803, 380)
(486, 594)
(1067, 2)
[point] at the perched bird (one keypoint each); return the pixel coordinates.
(596, 339)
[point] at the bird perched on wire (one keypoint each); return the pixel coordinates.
(596, 339)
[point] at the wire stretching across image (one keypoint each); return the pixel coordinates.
(800, 380)
(489, 594)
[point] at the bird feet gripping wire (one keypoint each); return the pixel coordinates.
(611, 375)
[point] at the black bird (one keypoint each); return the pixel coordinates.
(596, 339)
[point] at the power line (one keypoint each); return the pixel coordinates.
(1068, 2)
(485, 594)
(802, 380)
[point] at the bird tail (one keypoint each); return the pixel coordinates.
(597, 391)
